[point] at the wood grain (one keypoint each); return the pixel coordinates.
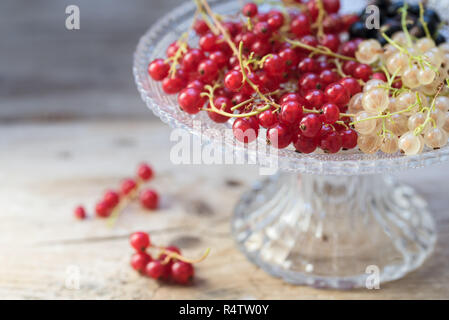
(48, 168)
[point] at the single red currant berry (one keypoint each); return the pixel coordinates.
(397, 84)
(331, 143)
(308, 65)
(348, 49)
(351, 85)
(207, 70)
(140, 260)
(379, 76)
(111, 198)
(233, 80)
(80, 213)
(315, 98)
(289, 57)
(248, 39)
(290, 96)
(310, 125)
(171, 249)
(154, 269)
(196, 84)
(291, 112)
(309, 81)
(331, 6)
(349, 67)
(182, 272)
(173, 85)
(312, 9)
(158, 69)
(223, 104)
(337, 93)
(139, 240)
(172, 49)
(331, 41)
(200, 27)
(208, 42)
(268, 119)
(261, 48)
(348, 139)
(275, 20)
(363, 71)
(274, 65)
(127, 186)
(249, 9)
(331, 113)
(145, 172)
(149, 199)
(244, 130)
(300, 25)
(305, 145)
(328, 76)
(332, 24)
(102, 209)
(279, 136)
(190, 100)
(219, 58)
(192, 59)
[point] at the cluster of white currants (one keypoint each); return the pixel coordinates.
(410, 117)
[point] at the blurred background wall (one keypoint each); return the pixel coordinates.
(50, 73)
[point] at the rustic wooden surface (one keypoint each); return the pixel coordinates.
(48, 168)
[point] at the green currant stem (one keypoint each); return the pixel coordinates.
(420, 128)
(388, 115)
(319, 50)
(173, 255)
(423, 23)
(319, 21)
(403, 11)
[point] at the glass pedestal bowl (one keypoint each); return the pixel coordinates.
(332, 221)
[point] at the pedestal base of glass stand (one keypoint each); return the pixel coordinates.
(335, 232)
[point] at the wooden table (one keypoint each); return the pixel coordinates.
(48, 168)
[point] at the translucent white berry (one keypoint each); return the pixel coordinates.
(376, 100)
(435, 138)
(368, 51)
(389, 143)
(410, 144)
(363, 126)
(369, 143)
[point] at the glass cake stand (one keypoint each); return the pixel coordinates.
(330, 221)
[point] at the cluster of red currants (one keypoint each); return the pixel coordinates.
(129, 189)
(169, 265)
(291, 75)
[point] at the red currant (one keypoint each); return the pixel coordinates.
(331, 113)
(111, 198)
(331, 41)
(310, 125)
(102, 209)
(315, 98)
(173, 85)
(337, 93)
(300, 25)
(207, 70)
(274, 65)
(279, 136)
(262, 30)
(145, 172)
(127, 186)
(380, 76)
(348, 49)
(331, 143)
(291, 112)
(289, 57)
(233, 80)
(139, 240)
(309, 81)
(349, 67)
(158, 69)
(154, 269)
(268, 119)
(190, 100)
(249, 9)
(305, 145)
(149, 199)
(261, 48)
(200, 27)
(244, 130)
(221, 103)
(351, 85)
(363, 71)
(182, 272)
(328, 76)
(196, 84)
(219, 58)
(208, 42)
(139, 261)
(275, 20)
(80, 212)
(192, 59)
(332, 24)
(331, 6)
(348, 139)
(308, 65)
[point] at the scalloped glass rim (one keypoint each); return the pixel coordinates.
(171, 26)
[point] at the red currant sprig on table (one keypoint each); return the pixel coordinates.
(169, 263)
(279, 70)
(113, 202)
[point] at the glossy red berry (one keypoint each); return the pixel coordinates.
(275, 20)
(139, 261)
(331, 6)
(268, 119)
(312, 8)
(261, 47)
(221, 103)
(208, 42)
(172, 49)
(331, 41)
(192, 59)
(331, 143)
(262, 30)
(289, 58)
(300, 25)
(190, 100)
(351, 85)
(309, 81)
(200, 27)
(349, 67)
(149, 199)
(305, 145)
(111, 198)
(80, 213)
(348, 49)
(182, 272)
(139, 240)
(145, 172)
(379, 76)
(158, 69)
(348, 139)
(172, 85)
(245, 130)
(233, 80)
(328, 76)
(196, 84)
(274, 65)
(315, 98)
(102, 209)
(337, 93)
(291, 112)
(249, 9)
(280, 136)
(219, 58)
(207, 70)
(332, 24)
(331, 113)
(363, 71)
(308, 65)
(154, 269)
(310, 125)
(127, 186)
